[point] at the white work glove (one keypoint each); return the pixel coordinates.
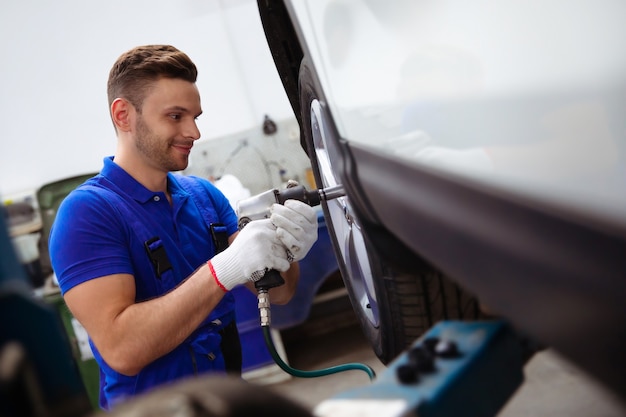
(296, 227)
(255, 250)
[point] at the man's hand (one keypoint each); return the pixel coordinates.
(296, 227)
(255, 250)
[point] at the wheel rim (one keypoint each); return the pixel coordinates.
(349, 236)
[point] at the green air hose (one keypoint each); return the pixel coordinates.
(273, 279)
(312, 374)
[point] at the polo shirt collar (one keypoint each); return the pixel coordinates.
(126, 182)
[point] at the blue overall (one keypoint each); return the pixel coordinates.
(102, 227)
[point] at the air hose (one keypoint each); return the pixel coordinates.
(312, 374)
(264, 312)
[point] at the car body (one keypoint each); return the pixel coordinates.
(482, 144)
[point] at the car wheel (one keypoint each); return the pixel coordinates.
(393, 308)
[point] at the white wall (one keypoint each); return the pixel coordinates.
(55, 61)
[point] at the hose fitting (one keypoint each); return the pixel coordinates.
(263, 299)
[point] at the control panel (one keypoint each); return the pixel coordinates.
(455, 369)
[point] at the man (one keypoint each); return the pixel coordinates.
(134, 248)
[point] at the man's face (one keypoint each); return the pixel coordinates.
(166, 128)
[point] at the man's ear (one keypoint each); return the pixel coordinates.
(121, 111)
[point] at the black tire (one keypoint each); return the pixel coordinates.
(393, 308)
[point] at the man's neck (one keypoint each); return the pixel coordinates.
(152, 178)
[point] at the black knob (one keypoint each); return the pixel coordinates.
(447, 349)
(407, 374)
(422, 359)
(269, 127)
(430, 343)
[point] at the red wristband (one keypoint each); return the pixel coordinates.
(219, 284)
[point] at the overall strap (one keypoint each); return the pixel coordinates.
(217, 229)
(152, 244)
(231, 342)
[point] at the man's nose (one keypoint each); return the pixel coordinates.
(192, 131)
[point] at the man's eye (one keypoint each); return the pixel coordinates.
(175, 116)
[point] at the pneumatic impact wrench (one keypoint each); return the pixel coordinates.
(258, 207)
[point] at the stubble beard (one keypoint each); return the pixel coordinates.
(156, 149)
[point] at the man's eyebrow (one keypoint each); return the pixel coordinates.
(177, 108)
(181, 109)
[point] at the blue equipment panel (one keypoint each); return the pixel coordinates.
(455, 369)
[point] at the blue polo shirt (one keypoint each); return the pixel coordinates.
(101, 228)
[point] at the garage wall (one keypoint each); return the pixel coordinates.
(55, 61)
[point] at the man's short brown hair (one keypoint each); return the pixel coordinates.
(136, 70)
